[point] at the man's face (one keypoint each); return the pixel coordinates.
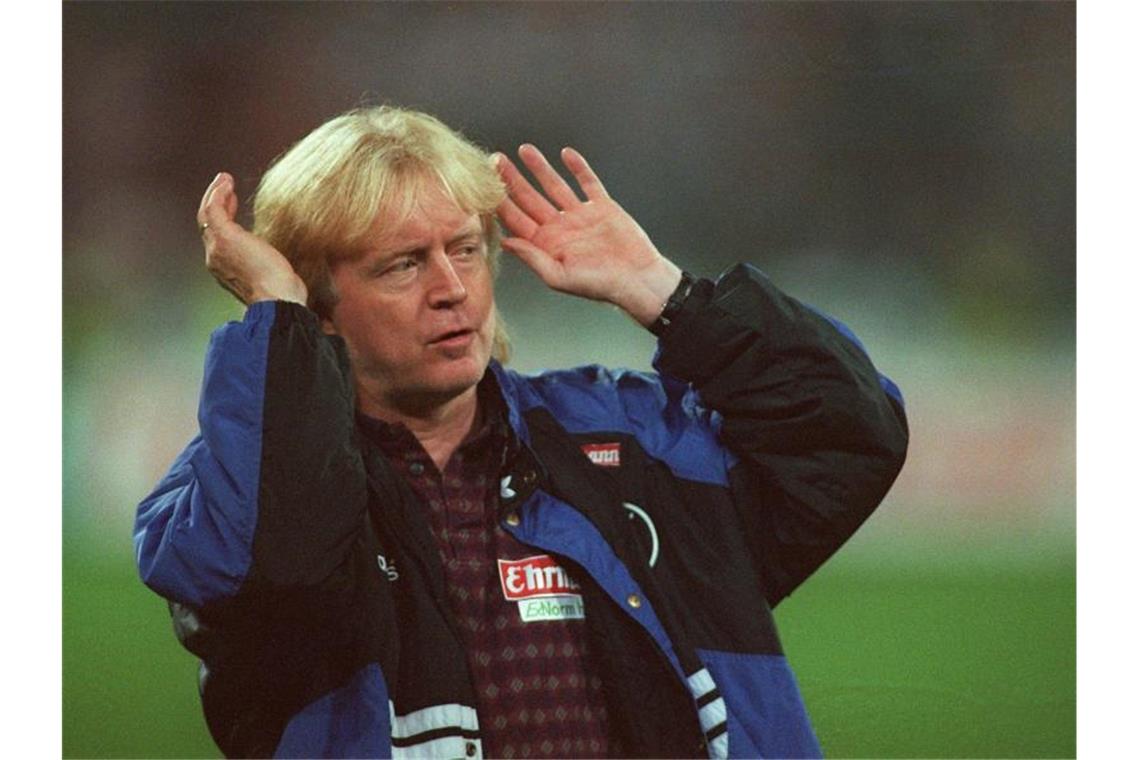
(416, 309)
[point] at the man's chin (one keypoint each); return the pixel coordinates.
(458, 368)
(424, 391)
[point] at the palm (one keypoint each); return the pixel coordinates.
(590, 248)
(591, 245)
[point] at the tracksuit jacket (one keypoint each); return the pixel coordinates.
(301, 569)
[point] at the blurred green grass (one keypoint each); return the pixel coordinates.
(964, 659)
(949, 661)
(129, 689)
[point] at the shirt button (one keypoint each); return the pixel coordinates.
(471, 750)
(634, 601)
(513, 519)
(416, 468)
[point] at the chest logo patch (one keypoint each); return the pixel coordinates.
(542, 588)
(603, 454)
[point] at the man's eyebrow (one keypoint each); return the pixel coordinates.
(386, 254)
(382, 255)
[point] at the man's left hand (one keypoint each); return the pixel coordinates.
(590, 248)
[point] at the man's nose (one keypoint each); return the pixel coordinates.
(445, 286)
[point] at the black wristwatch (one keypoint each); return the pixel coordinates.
(673, 305)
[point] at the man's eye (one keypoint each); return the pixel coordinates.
(467, 250)
(403, 265)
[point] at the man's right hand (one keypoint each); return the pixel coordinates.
(240, 261)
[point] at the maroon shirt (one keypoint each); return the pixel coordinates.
(535, 694)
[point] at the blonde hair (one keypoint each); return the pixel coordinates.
(320, 199)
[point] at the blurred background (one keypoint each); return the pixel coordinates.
(907, 167)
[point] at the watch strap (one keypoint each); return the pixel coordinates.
(673, 304)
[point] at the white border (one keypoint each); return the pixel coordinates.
(33, 370)
(1107, 376)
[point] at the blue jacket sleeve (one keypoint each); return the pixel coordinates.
(270, 494)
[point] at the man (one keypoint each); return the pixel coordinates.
(384, 543)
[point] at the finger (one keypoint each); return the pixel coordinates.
(551, 181)
(587, 180)
(206, 197)
(535, 258)
(214, 212)
(532, 203)
(516, 222)
(231, 201)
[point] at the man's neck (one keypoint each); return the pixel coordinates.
(439, 428)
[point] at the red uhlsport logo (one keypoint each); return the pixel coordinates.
(533, 577)
(603, 454)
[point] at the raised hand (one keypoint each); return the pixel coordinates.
(590, 248)
(240, 261)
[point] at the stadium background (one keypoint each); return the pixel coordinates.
(909, 168)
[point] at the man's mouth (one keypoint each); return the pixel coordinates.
(452, 338)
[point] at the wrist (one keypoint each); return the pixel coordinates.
(645, 300)
(292, 289)
(673, 305)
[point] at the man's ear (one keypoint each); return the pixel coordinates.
(327, 326)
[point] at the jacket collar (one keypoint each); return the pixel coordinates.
(511, 391)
